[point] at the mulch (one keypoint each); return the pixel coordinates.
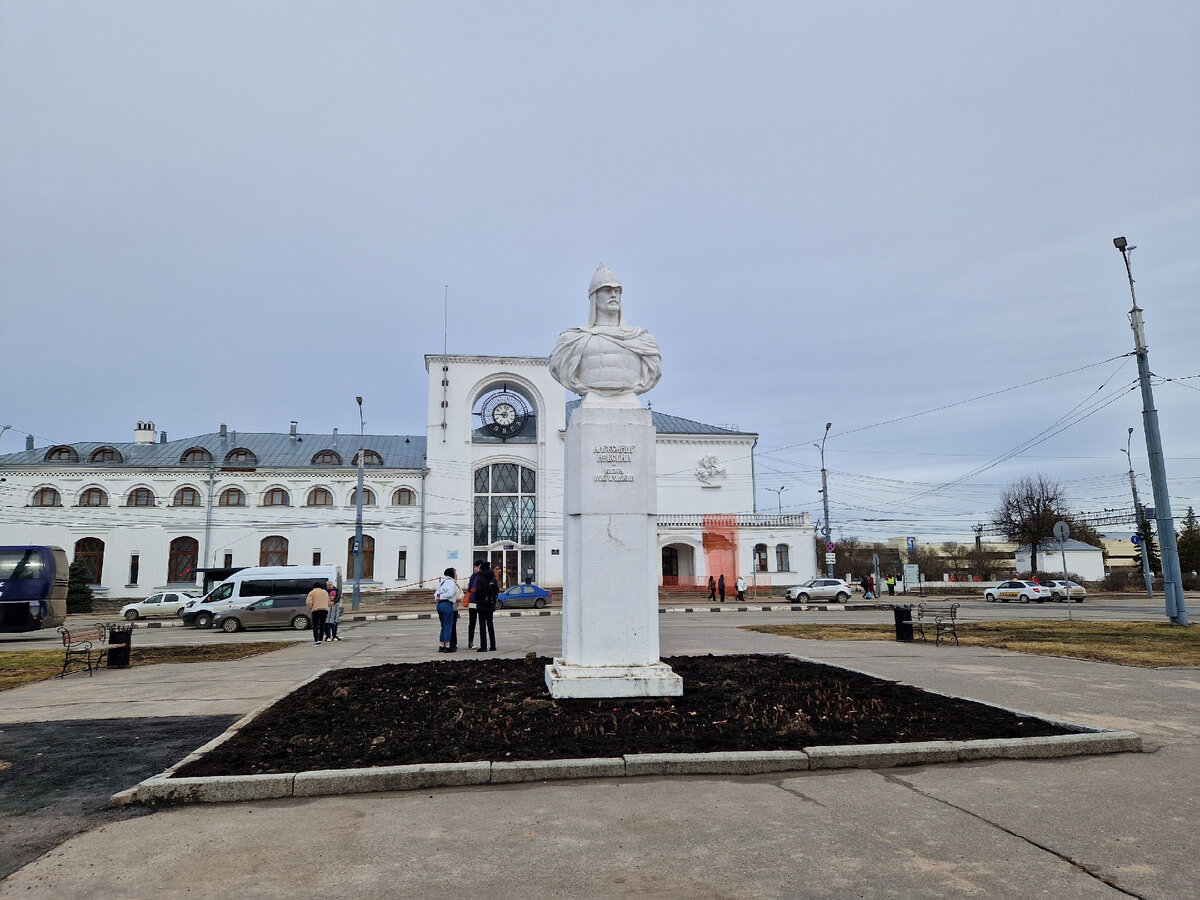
(500, 709)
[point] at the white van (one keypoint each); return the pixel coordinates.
(257, 583)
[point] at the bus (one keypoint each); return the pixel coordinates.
(33, 588)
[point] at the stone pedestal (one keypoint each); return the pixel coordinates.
(611, 559)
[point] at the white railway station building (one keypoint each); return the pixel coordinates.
(484, 481)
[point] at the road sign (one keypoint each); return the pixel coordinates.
(1062, 531)
(830, 557)
(1135, 539)
(830, 546)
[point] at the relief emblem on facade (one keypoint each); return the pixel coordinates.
(709, 472)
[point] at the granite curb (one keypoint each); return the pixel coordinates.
(163, 789)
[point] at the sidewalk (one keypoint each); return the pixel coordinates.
(1065, 828)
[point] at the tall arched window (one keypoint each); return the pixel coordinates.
(93, 496)
(276, 497)
(186, 496)
(326, 458)
(105, 455)
(140, 497)
(760, 557)
(46, 496)
(91, 552)
(181, 565)
(505, 519)
(196, 455)
(368, 497)
(62, 453)
(232, 497)
(273, 551)
(368, 556)
(404, 497)
(319, 497)
(783, 561)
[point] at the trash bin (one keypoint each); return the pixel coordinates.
(120, 639)
(904, 627)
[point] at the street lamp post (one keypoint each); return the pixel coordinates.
(358, 496)
(1176, 608)
(778, 492)
(1141, 517)
(825, 498)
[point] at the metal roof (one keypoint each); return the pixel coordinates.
(398, 451)
(1049, 545)
(665, 424)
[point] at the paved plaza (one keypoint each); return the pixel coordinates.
(1115, 825)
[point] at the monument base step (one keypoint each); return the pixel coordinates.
(585, 682)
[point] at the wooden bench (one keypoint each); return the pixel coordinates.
(86, 646)
(945, 626)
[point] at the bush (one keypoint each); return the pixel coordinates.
(79, 594)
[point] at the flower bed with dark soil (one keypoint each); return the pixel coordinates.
(499, 709)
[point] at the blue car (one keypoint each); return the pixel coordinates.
(524, 595)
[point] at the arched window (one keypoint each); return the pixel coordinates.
(91, 552)
(319, 497)
(326, 458)
(106, 454)
(93, 497)
(187, 496)
(232, 497)
(46, 496)
(404, 497)
(760, 557)
(368, 497)
(181, 565)
(783, 561)
(240, 456)
(62, 453)
(273, 551)
(368, 556)
(276, 497)
(140, 497)
(370, 458)
(196, 455)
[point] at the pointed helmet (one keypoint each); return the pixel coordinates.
(604, 277)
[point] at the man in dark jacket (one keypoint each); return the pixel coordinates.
(721, 587)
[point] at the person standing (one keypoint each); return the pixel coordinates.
(721, 587)
(712, 589)
(444, 597)
(318, 604)
(472, 609)
(335, 612)
(866, 586)
(741, 589)
(486, 592)
(891, 583)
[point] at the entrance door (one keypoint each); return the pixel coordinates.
(505, 567)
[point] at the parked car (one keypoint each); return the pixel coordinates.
(255, 583)
(821, 589)
(1025, 591)
(273, 612)
(524, 595)
(164, 603)
(1058, 590)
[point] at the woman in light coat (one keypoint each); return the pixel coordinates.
(445, 596)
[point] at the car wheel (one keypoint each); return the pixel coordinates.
(802, 597)
(131, 614)
(539, 603)
(231, 626)
(179, 612)
(842, 597)
(1024, 598)
(204, 620)
(990, 598)
(300, 623)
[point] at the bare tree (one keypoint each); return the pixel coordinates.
(1028, 509)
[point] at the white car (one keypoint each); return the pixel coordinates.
(821, 589)
(1058, 590)
(1025, 591)
(166, 603)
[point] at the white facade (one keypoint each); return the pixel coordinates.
(1082, 559)
(426, 511)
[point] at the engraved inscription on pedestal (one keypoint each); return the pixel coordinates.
(611, 456)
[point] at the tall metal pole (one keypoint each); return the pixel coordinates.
(1172, 578)
(825, 497)
(212, 466)
(778, 492)
(1141, 517)
(358, 516)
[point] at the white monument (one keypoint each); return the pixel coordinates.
(610, 577)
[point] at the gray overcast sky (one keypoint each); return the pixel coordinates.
(247, 213)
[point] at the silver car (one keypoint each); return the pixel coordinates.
(1058, 590)
(165, 603)
(289, 611)
(821, 589)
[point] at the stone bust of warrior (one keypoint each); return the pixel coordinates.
(608, 363)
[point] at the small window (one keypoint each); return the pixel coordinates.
(326, 458)
(316, 557)
(93, 497)
(196, 455)
(370, 458)
(62, 453)
(140, 497)
(782, 558)
(228, 561)
(46, 496)
(233, 497)
(276, 497)
(368, 497)
(402, 565)
(187, 497)
(240, 456)
(760, 557)
(106, 455)
(319, 497)
(404, 497)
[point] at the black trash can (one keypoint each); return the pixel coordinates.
(120, 639)
(904, 627)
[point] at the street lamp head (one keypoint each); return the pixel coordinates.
(358, 400)
(1131, 430)
(1120, 243)
(828, 425)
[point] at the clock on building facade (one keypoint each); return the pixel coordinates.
(505, 414)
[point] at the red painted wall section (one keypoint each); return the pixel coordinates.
(720, 535)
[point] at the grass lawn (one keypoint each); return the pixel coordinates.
(1147, 644)
(24, 666)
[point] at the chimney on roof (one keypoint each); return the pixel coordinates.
(293, 431)
(335, 443)
(224, 432)
(144, 433)
(162, 437)
(29, 442)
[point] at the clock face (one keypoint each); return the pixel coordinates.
(505, 414)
